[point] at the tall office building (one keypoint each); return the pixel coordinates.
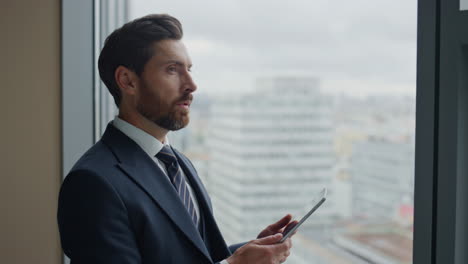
(271, 151)
(382, 172)
(375, 150)
(376, 146)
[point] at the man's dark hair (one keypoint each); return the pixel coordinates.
(132, 46)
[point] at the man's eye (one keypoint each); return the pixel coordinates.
(172, 69)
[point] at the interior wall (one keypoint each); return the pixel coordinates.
(30, 128)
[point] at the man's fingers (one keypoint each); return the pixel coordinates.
(290, 226)
(279, 251)
(284, 257)
(281, 223)
(288, 242)
(270, 239)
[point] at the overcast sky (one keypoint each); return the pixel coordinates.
(357, 47)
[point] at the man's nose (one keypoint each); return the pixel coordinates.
(189, 83)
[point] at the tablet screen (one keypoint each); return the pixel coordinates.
(316, 203)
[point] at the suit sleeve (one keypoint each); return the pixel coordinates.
(234, 247)
(93, 222)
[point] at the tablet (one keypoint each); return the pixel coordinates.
(317, 202)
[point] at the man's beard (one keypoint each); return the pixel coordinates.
(169, 120)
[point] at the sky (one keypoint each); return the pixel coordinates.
(358, 47)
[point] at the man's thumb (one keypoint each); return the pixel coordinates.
(273, 239)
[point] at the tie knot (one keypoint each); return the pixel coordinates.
(166, 155)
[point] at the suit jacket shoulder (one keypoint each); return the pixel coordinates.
(117, 206)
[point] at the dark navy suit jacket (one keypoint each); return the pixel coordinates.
(116, 206)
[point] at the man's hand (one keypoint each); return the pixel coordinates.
(265, 250)
(282, 225)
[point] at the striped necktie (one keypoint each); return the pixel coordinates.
(167, 156)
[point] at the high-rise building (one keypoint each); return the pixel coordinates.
(270, 152)
(382, 170)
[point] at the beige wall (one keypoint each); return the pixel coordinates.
(30, 131)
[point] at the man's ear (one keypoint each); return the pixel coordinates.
(126, 79)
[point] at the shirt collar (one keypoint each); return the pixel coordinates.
(147, 142)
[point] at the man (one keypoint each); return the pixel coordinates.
(132, 198)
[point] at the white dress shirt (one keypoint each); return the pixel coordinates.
(152, 146)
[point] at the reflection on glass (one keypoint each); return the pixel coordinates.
(297, 97)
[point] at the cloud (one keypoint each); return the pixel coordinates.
(369, 40)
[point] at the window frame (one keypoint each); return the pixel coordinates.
(441, 138)
(82, 35)
(77, 59)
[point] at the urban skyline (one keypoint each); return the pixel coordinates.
(226, 139)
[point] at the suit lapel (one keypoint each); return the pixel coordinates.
(149, 177)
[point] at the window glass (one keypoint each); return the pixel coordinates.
(293, 97)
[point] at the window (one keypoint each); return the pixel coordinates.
(440, 232)
(298, 97)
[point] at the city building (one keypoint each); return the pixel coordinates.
(382, 176)
(271, 151)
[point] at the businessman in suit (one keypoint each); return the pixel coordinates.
(132, 198)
